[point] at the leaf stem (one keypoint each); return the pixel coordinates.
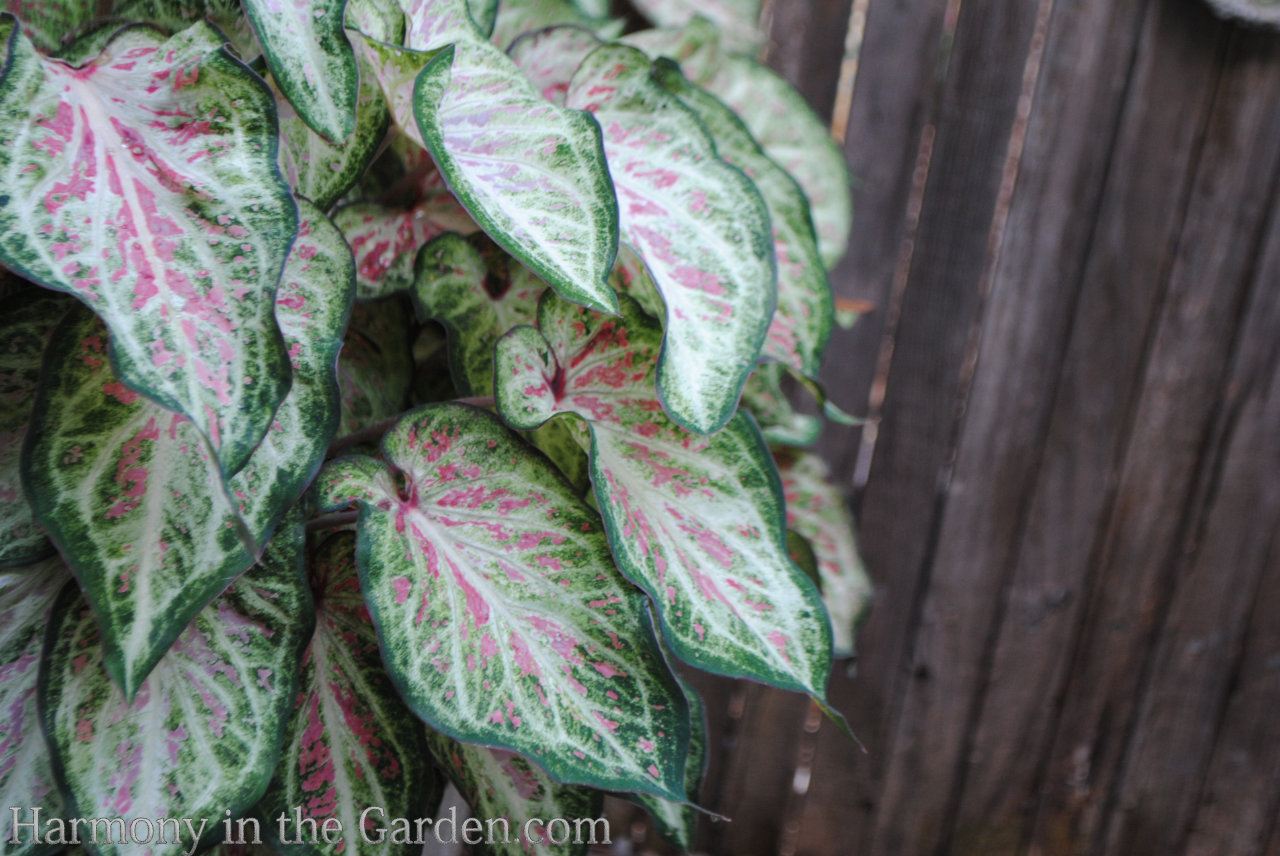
(327, 521)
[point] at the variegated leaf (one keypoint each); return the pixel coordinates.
(677, 822)
(630, 276)
(779, 421)
(595, 8)
(736, 20)
(801, 324)
(145, 184)
(501, 617)
(532, 174)
(203, 734)
(351, 743)
(699, 225)
(52, 24)
(26, 776)
(129, 492)
(173, 16)
(696, 521)
(508, 792)
(816, 510)
(306, 48)
(528, 18)
(484, 13)
(376, 364)
(479, 292)
(396, 70)
(549, 57)
(26, 320)
(386, 238)
(322, 171)
(779, 118)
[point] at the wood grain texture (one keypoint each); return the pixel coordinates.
(806, 46)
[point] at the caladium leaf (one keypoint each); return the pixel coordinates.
(129, 492)
(51, 24)
(173, 16)
(306, 48)
(801, 324)
(26, 776)
(501, 617)
(817, 511)
(549, 57)
(375, 368)
(484, 13)
(699, 225)
(594, 8)
(779, 421)
(478, 293)
(509, 791)
(385, 239)
(145, 184)
(735, 20)
(696, 521)
(677, 822)
(320, 170)
(396, 69)
(351, 743)
(204, 732)
(26, 320)
(532, 174)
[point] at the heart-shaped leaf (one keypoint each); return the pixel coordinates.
(817, 511)
(307, 51)
(203, 734)
(696, 521)
(173, 16)
(145, 184)
(517, 800)
(699, 225)
(386, 238)
(128, 490)
(549, 57)
(26, 777)
(479, 292)
(351, 744)
(502, 619)
(802, 322)
(26, 321)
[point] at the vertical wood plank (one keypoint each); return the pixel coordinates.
(1126, 259)
(806, 46)
(1239, 804)
(1165, 471)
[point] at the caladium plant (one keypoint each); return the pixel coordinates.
(392, 391)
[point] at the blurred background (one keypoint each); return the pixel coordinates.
(1065, 219)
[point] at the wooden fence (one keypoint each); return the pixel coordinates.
(1066, 216)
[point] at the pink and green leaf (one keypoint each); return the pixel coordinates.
(306, 48)
(677, 822)
(26, 775)
(780, 422)
(502, 619)
(173, 16)
(519, 20)
(802, 323)
(203, 733)
(51, 24)
(817, 511)
(507, 791)
(698, 224)
(549, 57)
(485, 14)
(386, 238)
(145, 183)
(375, 368)
(351, 743)
(323, 171)
(26, 321)
(696, 521)
(478, 292)
(129, 491)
